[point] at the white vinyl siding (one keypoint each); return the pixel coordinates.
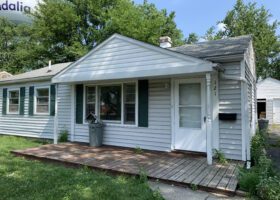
(269, 89)
(156, 137)
(269, 110)
(230, 102)
(64, 108)
(251, 95)
(122, 59)
(25, 125)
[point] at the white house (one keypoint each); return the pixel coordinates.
(27, 103)
(196, 97)
(268, 95)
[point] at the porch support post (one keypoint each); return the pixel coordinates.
(209, 119)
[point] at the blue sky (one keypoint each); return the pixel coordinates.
(198, 15)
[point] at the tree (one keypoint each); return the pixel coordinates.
(17, 47)
(142, 22)
(246, 19)
(7, 42)
(65, 30)
(192, 38)
(274, 68)
(211, 34)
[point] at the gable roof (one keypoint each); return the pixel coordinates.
(5, 74)
(92, 67)
(214, 48)
(267, 80)
(38, 74)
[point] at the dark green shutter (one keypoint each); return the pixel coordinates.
(31, 101)
(79, 103)
(143, 95)
(22, 98)
(4, 103)
(52, 105)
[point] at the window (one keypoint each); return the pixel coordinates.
(90, 100)
(110, 102)
(42, 100)
(129, 103)
(13, 104)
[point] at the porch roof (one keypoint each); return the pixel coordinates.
(120, 57)
(35, 75)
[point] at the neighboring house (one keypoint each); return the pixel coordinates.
(268, 95)
(26, 103)
(4, 75)
(196, 97)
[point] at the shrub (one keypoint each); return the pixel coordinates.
(220, 156)
(63, 136)
(194, 187)
(143, 177)
(138, 150)
(269, 188)
(260, 180)
(265, 167)
(249, 179)
(257, 147)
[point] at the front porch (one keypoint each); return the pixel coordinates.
(175, 168)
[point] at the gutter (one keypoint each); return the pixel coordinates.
(230, 77)
(44, 78)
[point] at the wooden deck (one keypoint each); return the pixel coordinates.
(175, 168)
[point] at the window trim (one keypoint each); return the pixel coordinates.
(85, 99)
(97, 103)
(8, 100)
(35, 100)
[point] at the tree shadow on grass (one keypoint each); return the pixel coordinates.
(25, 179)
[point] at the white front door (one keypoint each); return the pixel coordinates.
(276, 111)
(190, 128)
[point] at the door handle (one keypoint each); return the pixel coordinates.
(204, 119)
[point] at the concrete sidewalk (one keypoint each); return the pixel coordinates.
(170, 192)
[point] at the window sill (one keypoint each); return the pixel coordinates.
(109, 124)
(13, 113)
(41, 114)
(119, 125)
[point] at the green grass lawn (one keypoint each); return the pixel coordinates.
(24, 179)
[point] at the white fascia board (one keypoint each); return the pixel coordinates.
(115, 75)
(25, 80)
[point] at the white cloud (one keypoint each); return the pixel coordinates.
(201, 40)
(221, 27)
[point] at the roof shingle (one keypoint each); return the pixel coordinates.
(38, 73)
(222, 47)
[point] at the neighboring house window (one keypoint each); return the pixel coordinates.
(112, 103)
(90, 100)
(129, 103)
(42, 100)
(13, 103)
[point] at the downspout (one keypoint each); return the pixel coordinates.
(245, 122)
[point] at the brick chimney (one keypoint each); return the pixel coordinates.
(165, 42)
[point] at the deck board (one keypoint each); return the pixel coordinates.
(175, 168)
